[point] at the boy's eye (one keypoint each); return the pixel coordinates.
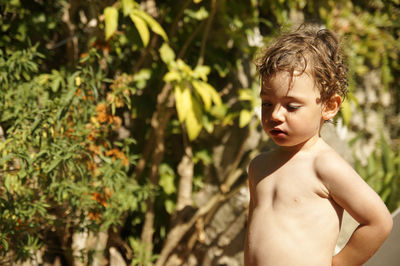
(292, 107)
(266, 104)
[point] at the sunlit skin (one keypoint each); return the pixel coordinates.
(299, 190)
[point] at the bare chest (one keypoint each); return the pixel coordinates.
(295, 183)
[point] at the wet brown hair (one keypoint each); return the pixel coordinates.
(314, 51)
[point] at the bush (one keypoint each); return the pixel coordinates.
(63, 167)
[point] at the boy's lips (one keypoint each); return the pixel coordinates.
(277, 132)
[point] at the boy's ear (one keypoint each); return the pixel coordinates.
(331, 107)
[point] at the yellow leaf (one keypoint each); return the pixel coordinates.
(172, 76)
(153, 24)
(166, 53)
(183, 102)
(110, 20)
(43, 79)
(244, 118)
(127, 6)
(194, 119)
(203, 92)
(208, 125)
(196, 1)
(78, 81)
(141, 27)
(182, 66)
(245, 95)
(214, 94)
(201, 72)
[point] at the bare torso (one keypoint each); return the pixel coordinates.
(293, 220)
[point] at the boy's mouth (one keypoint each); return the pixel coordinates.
(277, 132)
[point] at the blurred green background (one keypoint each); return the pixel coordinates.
(126, 127)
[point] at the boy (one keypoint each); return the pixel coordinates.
(299, 190)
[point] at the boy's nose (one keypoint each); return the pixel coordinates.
(277, 113)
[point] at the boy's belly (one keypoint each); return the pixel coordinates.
(303, 234)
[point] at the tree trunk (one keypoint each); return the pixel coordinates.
(159, 123)
(185, 171)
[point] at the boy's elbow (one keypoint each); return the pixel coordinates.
(386, 225)
(389, 224)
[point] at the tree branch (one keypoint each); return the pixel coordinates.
(162, 98)
(236, 172)
(176, 234)
(72, 46)
(185, 171)
(207, 32)
(159, 148)
(174, 25)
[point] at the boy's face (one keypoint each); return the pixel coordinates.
(291, 116)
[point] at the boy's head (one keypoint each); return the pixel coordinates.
(303, 81)
(307, 50)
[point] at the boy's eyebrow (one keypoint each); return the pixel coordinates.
(292, 98)
(287, 97)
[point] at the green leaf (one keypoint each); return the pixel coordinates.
(4, 143)
(386, 193)
(199, 14)
(346, 112)
(169, 206)
(245, 118)
(388, 178)
(166, 53)
(194, 119)
(153, 24)
(371, 167)
(387, 156)
(52, 165)
(56, 83)
(142, 75)
(167, 183)
(4, 244)
(203, 156)
(141, 27)
(111, 20)
(35, 124)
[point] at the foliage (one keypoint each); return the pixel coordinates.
(140, 18)
(60, 168)
(189, 87)
(382, 173)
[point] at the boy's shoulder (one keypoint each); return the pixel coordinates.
(262, 160)
(329, 165)
(260, 163)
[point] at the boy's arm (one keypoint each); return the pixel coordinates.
(353, 194)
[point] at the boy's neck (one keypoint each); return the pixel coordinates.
(305, 146)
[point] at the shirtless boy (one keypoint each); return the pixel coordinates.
(299, 190)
